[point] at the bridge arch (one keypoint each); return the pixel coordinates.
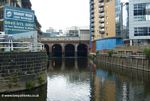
(69, 50)
(56, 50)
(82, 50)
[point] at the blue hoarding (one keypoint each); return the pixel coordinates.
(18, 20)
(108, 43)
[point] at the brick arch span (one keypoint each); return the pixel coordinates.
(69, 50)
(56, 50)
(82, 50)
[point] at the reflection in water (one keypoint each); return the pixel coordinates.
(119, 85)
(69, 63)
(68, 84)
(77, 82)
(74, 80)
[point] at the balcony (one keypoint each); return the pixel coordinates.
(100, 1)
(102, 26)
(101, 5)
(101, 20)
(92, 16)
(102, 32)
(92, 29)
(101, 10)
(92, 20)
(92, 11)
(92, 7)
(101, 15)
(92, 2)
(92, 25)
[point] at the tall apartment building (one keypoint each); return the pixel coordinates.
(105, 24)
(139, 22)
(18, 4)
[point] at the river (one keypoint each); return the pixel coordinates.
(81, 80)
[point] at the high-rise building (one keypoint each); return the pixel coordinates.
(139, 22)
(26, 4)
(105, 24)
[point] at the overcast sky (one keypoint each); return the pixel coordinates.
(61, 14)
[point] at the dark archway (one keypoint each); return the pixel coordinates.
(82, 63)
(82, 50)
(69, 63)
(47, 50)
(56, 50)
(69, 50)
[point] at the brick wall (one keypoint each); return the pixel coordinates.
(19, 71)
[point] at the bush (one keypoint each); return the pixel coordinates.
(30, 84)
(41, 79)
(147, 53)
(97, 53)
(110, 53)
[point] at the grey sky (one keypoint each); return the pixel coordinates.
(61, 14)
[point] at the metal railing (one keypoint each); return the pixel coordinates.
(21, 46)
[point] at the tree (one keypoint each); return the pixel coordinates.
(147, 53)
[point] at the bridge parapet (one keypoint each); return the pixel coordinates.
(60, 38)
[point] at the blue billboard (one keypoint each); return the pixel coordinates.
(18, 20)
(108, 43)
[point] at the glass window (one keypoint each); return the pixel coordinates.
(141, 31)
(142, 12)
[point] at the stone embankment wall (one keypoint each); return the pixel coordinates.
(22, 70)
(125, 62)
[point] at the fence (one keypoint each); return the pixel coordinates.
(21, 46)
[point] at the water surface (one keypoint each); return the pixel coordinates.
(80, 80)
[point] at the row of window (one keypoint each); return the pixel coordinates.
(142, 18)
(142, 12)
(142, 31)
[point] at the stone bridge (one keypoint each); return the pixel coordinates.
(67, 46)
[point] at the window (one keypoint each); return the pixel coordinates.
(142, 31)
(142, 12)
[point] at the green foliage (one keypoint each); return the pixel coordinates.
(30, 84)
(110, 53)
(41, 79)
(147, 52)
(91, 56)
(97, 53)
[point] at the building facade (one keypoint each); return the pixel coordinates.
(139, 22)
(105, 24)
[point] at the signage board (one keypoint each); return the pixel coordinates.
(18, 20)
